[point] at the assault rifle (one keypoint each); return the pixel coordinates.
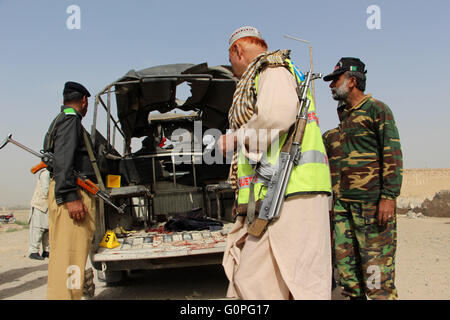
(276, 189)
(48, 159)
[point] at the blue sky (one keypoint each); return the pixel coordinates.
(406, 60)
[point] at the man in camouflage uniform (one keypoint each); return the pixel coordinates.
(366, 165)
(331, 143)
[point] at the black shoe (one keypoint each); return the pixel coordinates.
(45, 254)
(35, 256)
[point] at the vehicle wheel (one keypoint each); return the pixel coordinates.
(111, 277)
(12, 220)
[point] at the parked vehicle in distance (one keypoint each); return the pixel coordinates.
(7, 218)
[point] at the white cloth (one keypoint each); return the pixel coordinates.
(39, 199)
(293, 257)
(38, 231)
(38, 218)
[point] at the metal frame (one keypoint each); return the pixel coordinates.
(107, 90)
(127, 143)
(112, 127)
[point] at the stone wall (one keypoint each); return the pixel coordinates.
(439, 206)
(420, 185)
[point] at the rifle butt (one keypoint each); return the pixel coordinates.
(257, 227)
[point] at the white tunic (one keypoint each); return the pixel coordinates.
(39, 207)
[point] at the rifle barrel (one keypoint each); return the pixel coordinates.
(25, 148)
(83, 184)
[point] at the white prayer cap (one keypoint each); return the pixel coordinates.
(242, 32)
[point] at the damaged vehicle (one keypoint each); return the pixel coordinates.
(165, 172)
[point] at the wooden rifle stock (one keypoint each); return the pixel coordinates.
(88, 186)
(300, 130)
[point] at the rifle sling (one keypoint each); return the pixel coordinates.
(286, 148)
(251, 201)
(88, 144)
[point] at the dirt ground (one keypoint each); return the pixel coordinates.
(423, 269)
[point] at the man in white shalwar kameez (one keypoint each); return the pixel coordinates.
(38, 219)
(292, 260)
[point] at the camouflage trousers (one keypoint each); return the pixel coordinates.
(364, 252)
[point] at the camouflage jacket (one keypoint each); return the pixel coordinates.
(332, 146)
(368, 157)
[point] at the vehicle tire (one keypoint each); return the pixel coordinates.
(111, 278)
(12, 220)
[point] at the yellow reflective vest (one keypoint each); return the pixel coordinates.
(310, 176)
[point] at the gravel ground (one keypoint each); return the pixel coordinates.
(423, 264)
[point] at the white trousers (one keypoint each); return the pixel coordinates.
(38, 231)
(291, 260)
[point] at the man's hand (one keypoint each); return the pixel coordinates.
(227, 143)
(233, 210)
(77, 210)
(386, 211)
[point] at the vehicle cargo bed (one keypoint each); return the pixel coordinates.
(154, 245)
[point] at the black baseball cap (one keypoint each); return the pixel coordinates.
(346, 64)
(71, 86)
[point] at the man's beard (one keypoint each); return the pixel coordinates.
(340, 93)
